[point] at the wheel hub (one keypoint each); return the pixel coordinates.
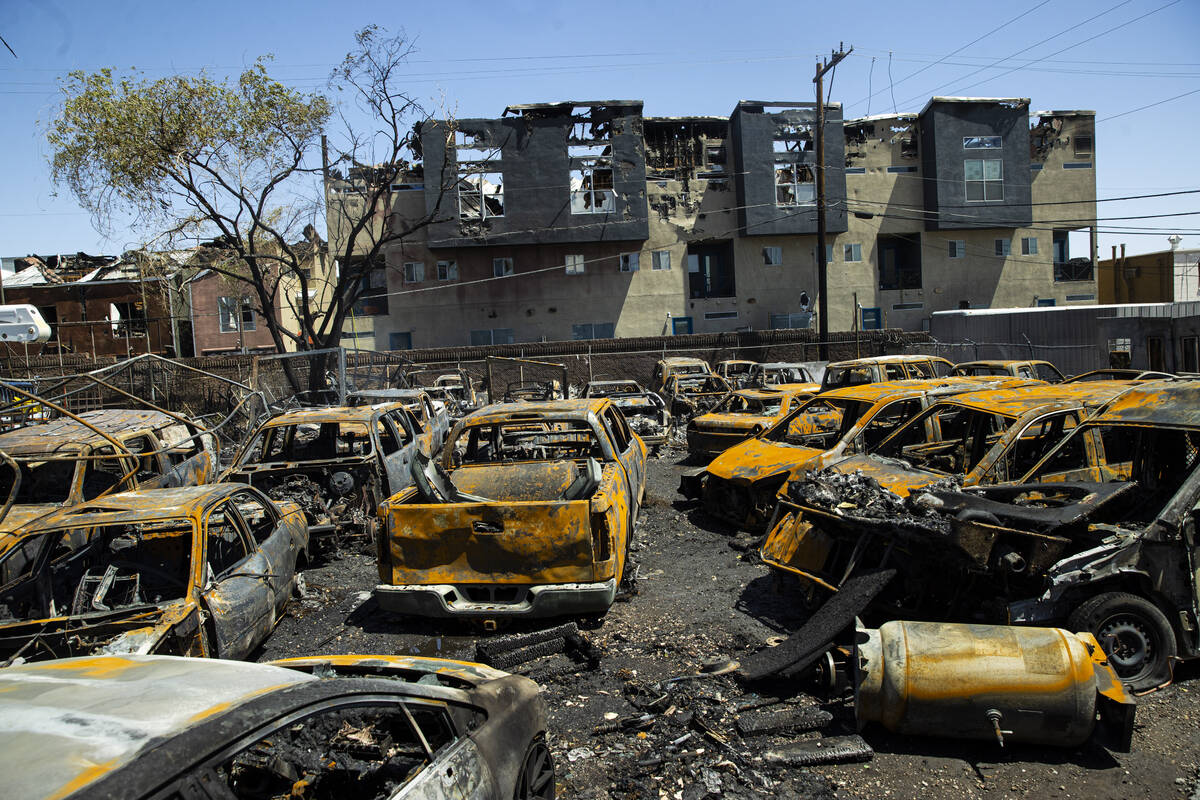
(1127, 644)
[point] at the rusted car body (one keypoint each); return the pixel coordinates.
(1081, 540)
(64, 461)
(1039, 370)
(529, 513)
(676, 365)
(329, 726)
(875, 369)
(739, 486)
(975, 438)
(740, 415)
(338, 463)
(202, 570)
(694, 394)
(776, 373)
(644, 410)
(735, 371)
(431, 415)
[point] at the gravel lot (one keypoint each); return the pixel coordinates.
(698, 599)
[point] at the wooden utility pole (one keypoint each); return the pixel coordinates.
(822, 261)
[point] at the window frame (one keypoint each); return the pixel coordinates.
(225, 300)
(574, 264)
(414, 271)
(447, 270)
(506, 265)
(1002, 248)
(852, 252)
(772, 256)
(657, 259)
(1029, 246)
(629, 262)
(983, 182)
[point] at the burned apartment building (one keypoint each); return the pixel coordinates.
(581, 220)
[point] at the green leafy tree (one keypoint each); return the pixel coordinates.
(246, 162)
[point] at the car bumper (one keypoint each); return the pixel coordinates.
(447, 600)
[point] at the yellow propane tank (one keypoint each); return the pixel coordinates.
(1036, 685)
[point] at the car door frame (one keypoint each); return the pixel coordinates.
(245, 581)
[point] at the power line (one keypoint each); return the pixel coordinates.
(1150, 105)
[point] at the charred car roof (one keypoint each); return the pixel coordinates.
(1171, 404)
(331, 414)
(1014, 402)
(136, 506)
(65, 433)
(900, 359)
(578, 407)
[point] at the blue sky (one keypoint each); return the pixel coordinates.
(681, 58)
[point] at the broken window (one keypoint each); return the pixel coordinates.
(447, 270)
(259, 520)
(502, 267)
(373, 295)
(793, 139)
(351, 751)
(629, 262)
(711, 271)
(575, 264)
(958, 248)
(899, 262)
(480, 191)
(982, 142)
(1189, 354)
(592, 187)
(772, 256)
(41, 481)
(128, 319)
(1003, 247)
(75, 571)
(309, 441)
(794, 184)
(984, 179)
(660, 259)
(414, 272)
(1083, 145)
(525, 440)
(714, 158)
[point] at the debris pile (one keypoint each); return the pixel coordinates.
(855, 494)
(540, 655)
(699, 736)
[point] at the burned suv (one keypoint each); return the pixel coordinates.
(338, 463)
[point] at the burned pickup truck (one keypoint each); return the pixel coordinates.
(529, 512)
(1101, 535)
(337, 463)
(202, 570)
(644, 410)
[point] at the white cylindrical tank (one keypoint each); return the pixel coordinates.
(1034, 685)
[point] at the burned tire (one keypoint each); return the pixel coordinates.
(536, 779)
(1135, 634)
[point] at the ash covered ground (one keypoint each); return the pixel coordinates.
(623, 730)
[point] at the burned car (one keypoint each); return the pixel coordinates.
(202, 570)
(454, 388)
(975, 438)
(778, 373)
(431, 415)
(65, 461)
(739, 485)
(529, 512)
(322, 727)
(740, 415)
(644, 410)
(736, 371)
(667, 368)
(694, 394)
(338, 463)
(1041, 370)
(874, 369)
(1099, 536)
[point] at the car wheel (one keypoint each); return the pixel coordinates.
(1135, 635)
(536, 779)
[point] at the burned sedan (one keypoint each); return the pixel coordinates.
(65, 461)
(530, 512)
(644, 410)
(203, 570)
(316, 728)
(337, 463)
(694, 394)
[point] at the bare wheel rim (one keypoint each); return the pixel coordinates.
(1129, 644)
(537, 774)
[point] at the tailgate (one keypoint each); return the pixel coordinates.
(510, 543)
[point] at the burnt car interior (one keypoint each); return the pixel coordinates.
(737, 404)
(80, 571)
(366, 751)
(960, 438)
(314, 442)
